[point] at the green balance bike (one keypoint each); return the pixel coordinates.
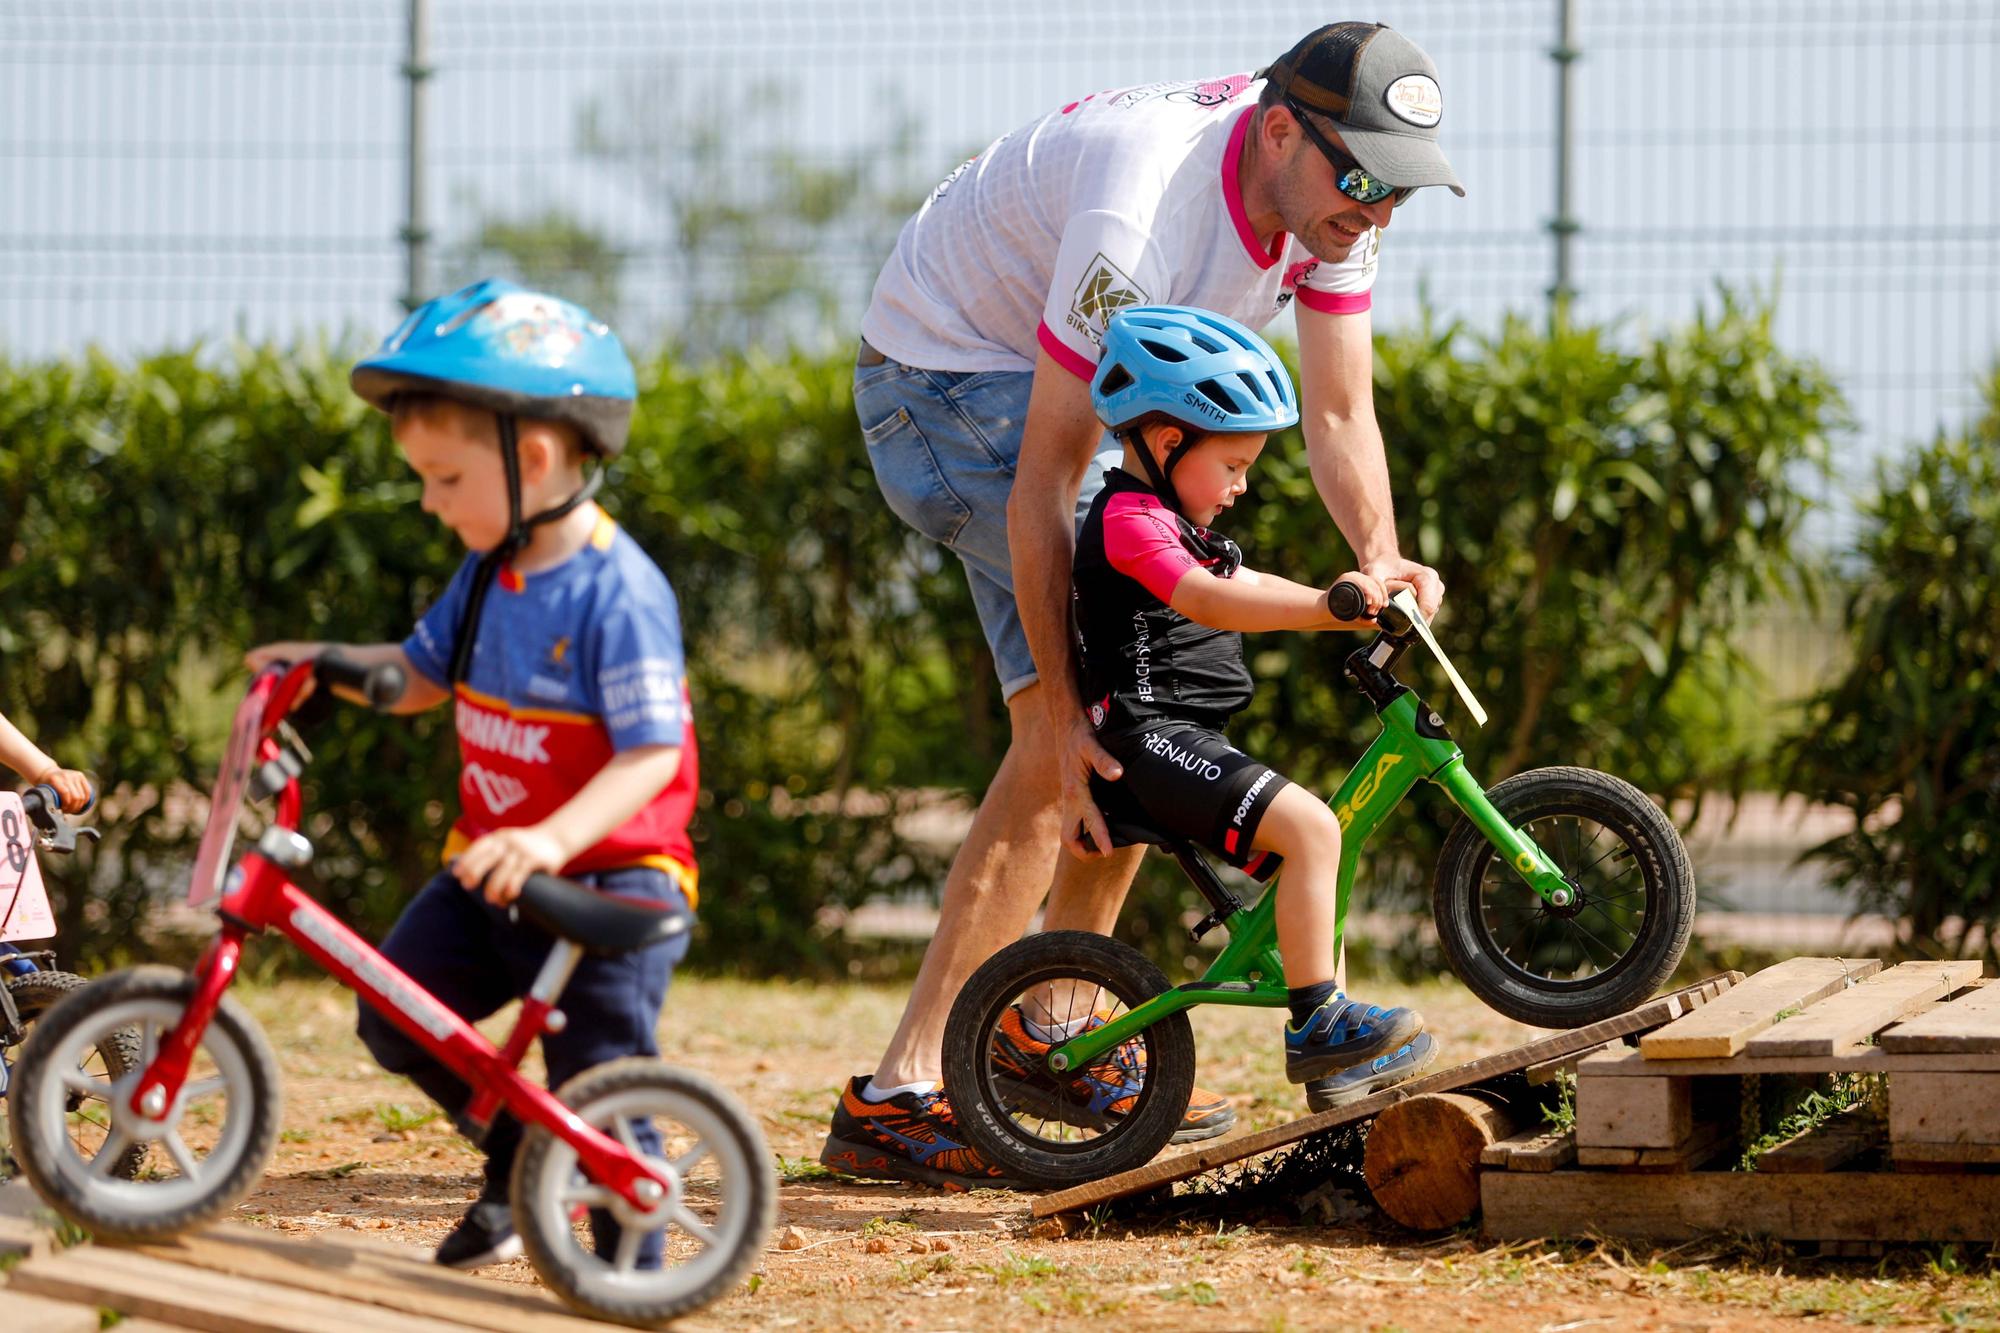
(1563, 896)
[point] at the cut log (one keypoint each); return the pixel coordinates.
(1422, 1160)
(1722, 1026)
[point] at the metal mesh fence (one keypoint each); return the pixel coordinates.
(181, 169)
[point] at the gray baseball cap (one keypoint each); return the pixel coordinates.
(1382, 91)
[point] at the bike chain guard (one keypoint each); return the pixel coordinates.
(1408, 605)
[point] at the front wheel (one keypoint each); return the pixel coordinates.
(613, 1262)
(1606, 951)
(212, 1143)
(1043, 1129)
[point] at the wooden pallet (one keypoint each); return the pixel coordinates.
(1549, 1051)
(230, 1279)
(1670, 1107)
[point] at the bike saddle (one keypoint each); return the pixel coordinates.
(601, 923)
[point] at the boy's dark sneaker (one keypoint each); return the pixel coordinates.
(1384, 1071)
(1343, 1033)
(913, 1136)
(485, 1235)
(1099, 1095)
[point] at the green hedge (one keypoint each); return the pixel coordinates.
(1909, 740)
(1603, 510)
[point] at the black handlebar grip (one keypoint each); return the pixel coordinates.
(1346, 601)
(381, 685)
(43, 805)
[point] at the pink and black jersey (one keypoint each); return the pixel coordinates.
(1143, 661)
(1125, 197)
(571, 665)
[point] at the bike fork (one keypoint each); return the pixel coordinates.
(159, 1084)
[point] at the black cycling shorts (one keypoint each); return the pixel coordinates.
(1189, 782)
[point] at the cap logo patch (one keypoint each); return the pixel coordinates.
(1417, 99)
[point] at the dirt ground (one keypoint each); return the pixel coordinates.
(357, 1152)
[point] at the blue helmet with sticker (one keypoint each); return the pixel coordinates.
(1195, 367)
(521, 353)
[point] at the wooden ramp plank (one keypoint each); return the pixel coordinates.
(1848, 1205)
(1722, 1027)
(140, 1284)
(37, 1314)
(1167, 1170)
(1826, 1146)
(1617, 1063)
(373, 1273)
(1968, 1025)
(1843, 1021)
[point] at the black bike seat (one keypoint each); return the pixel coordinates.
(601, 923)
(1134, 832)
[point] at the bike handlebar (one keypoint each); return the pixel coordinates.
(381, 685)
(1345, 601)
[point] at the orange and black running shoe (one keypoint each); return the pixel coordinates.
(1101, 1092)
(912, 1136)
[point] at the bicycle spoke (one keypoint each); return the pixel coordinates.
(692, 1225)
(207, 1087)
(590, 1196)
(687, 1161)
(629, 1240)
(115, 1144)
(79, 1082)
(178, 1150)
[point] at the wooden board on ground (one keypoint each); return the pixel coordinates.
(1845, 1205)
(1721, 1029)
(37, 1314)
(376, 1274)
(1166, 1171)
(140, 1284)
(1843, 1021)
(1827, 1146)
(1968, 1025)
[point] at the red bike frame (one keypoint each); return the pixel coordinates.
(264, 897)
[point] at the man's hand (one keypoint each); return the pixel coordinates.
(72, 786)
(1083, 828)
(505, 858)
(1396, 572)
(266, 653)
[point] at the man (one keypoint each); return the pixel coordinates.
(1240, 195)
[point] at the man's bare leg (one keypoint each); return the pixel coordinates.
(1000, 874)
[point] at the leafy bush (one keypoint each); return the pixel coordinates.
(1909, 740)
(1602, 515)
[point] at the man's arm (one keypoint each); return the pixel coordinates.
(1344, 446)
(1057, 442)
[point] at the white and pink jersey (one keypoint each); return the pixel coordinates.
(1123, 198)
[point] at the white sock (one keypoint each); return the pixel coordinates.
(1054, 1032)
(876, 1094)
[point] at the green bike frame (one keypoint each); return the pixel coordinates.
(1413, 746)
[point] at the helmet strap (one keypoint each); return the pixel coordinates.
(1158, 473)
(518, 533)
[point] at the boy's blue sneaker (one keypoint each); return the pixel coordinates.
(1343, 1033)
(1384, 1071)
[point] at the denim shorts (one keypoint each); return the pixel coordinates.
(943, 445)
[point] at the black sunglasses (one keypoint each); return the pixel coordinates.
(1349, 176)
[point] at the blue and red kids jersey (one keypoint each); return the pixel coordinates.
(571, 665)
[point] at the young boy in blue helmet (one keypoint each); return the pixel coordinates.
(1162, 604)
(558, 642)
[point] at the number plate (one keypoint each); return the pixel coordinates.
(24, 903)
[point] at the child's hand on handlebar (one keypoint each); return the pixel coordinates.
(264, 654)
(72, 786)
(501, 862)
(1374, 595)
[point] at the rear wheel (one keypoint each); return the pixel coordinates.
(1608, 949)
(1043, 1129)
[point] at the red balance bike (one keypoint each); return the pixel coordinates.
(204, 1089)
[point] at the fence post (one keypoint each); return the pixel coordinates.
(415, 234)
(1564, 225)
